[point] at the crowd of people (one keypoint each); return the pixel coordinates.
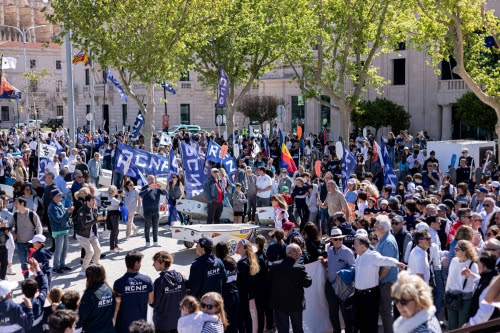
(415, 258)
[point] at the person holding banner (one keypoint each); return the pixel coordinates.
(150, 195)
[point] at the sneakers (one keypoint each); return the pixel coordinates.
(148, 244)
(115, 250)
(82, 273)
(127, 238)
(118, 248)
(66, 268)
(10, 271)
(136, 231)
(57, 270)
(156, 244)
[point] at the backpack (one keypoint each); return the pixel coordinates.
(31, 216)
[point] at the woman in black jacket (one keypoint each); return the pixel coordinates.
(230, 288)
(314, 246)
(97, 306)
(262, 288)
(248, 267)
(276, 250)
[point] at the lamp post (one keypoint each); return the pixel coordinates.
(23, 35)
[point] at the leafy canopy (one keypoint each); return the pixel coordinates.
(470, 109)
(380, 113)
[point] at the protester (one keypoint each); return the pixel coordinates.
(58, 217)
(150, 195)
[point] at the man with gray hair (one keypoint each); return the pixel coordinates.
(493, 245)
(95, 169)
(335, 201)
(288, 280)
(388, 247)
(489, 208)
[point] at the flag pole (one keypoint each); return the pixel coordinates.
(69, 84)
(92, 95)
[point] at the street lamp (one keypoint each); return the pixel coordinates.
(23, 34)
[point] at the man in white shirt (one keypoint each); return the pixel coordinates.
(72, 160)
(264, 186)
(418, 262)
(366, 280)
(488, 209)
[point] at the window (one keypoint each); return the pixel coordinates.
(60, 110)
(298, 112)
(88, 111)
(124, 114)
(185, 114)
(5, 113)
(87, 76)
(59, 86)
(221, 112)
(400, 46)
(185, 77)
(58, 64)
(399, 75)
(32, 63)
(325, 114)
(447, 70)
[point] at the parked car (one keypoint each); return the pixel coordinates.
(54, 122)
(30, 124)
(193, 129)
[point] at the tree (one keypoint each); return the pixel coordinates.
(335, 43)
(470, 109)
(35, 77)
(249, 43)
(469, 32)
(260, 108)
(380, 113)
(145, 41)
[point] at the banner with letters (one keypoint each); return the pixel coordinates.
(215, 153)
(193, 170)
(136, 129)
(131, 161)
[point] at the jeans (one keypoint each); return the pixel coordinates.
(252, 207)
(114, 217)
(61, 249)
(151, 218)
(438, 291)
(3, 262)
(117, 179)
(385, 307)
(334, 303)
(456, 319)
(214, 211)
(95, 181)
(323, 220)
(22, 252)
(283, 324)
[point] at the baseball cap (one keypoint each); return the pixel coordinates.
(465, 149)
(337, 215)
(495, 184)
(38, 238)
(284, 189)
(482, 189)
(442, 207)
(287, 226)
(419, 188)
(214, 170)
(54, 193)
(6, 287)
(351, 181)
(398, 218)
(393, 201)
(384, 202)
(205, 243)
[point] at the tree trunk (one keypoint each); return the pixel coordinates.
(230, 118)
(345, 112)
(149, 117)
(497, 131)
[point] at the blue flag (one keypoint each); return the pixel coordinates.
(266, 145)
(118, 86)
(348, 166)
(222, 88)
(56, 144)
(99, 141)
(168, 88)
(281, 137)
(193, 169)
(174, 168)
(139, 122)
(390, 177)
(213, 152)
(135, 162)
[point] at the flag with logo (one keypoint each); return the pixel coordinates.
(168, 88)
(348, 166)
(390, 177)
(222, 88)
(9, 63)
(193, 170)
(165, 139)
(8, 91)
(81, 56)
(113, 80)
(139, 122)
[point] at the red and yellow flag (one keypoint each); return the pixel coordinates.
(82, 56)
(287, 160)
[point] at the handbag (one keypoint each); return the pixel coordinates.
(453, 299)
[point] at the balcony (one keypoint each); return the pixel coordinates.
(39, 94)
(450, 90)
(277, 76)
(186, 85)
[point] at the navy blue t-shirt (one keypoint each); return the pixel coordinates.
(134, 289)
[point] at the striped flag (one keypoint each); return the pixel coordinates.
(81, 56)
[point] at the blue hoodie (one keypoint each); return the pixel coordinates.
(169, 289)
(14, 318)
(207, 273)
(38, 303)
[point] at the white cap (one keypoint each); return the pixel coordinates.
(495, 184)
(384, 202)
(422, 226)
(38, 238)
(351, 181)
(361, 232)
(6, 287)
(214, 170)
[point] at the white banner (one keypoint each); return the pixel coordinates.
(47, 151)
(316, 318)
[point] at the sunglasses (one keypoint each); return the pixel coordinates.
(395, 223)
(373, 239)
(489, 234)
(402, 302)
(207, 306)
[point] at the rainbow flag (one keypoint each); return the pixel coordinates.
(287, 160)
(81, 56)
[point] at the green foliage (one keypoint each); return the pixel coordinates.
(381, 113)
(260, 108)
(470, 109)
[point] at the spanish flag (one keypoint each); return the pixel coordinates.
(287, 160)
(82, 56)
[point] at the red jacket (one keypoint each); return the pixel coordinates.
(453, 231)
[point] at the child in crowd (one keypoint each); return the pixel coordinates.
(371, 206)
(42, 256)
(71, 299)
(239, 200)
(54, 298)
(192, 319)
